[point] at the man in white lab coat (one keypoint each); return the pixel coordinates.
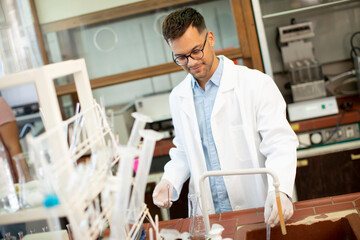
(225, 117)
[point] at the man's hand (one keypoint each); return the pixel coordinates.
(271, 214)
(162, 194)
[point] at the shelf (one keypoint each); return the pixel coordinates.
(28, 215)
(332, 148)
(29, 117)
(304, 9)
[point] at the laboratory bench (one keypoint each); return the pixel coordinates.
(322, 170)
(242, 224)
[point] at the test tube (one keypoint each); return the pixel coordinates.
(281, 217)
(293, 77)
(51, 203)
(139, 124)
(307, 71)
(316, 70)
(122, 196)
(137, 198)
(298, 69)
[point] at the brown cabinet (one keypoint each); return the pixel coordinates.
(328, 175)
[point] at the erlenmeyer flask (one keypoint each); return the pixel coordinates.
(197, 227)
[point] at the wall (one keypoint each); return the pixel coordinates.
(118, 46)
(333, 27)
(54, 10)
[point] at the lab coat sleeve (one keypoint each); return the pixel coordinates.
(176, 170)
(279, 142)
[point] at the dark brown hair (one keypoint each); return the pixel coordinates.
(177, 22)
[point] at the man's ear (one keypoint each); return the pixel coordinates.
(211, 38)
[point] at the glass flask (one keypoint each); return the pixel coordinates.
(197, 227)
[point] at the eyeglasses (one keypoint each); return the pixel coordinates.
(196, 54)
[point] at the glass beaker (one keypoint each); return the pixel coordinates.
(196, 227)
(31, 192)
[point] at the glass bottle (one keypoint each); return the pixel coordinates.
(8, 199)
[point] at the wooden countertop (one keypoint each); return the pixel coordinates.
(232, 221)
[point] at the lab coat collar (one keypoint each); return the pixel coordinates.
(215, 78)
(226, 83)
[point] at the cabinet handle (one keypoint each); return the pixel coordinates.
(355, 156)
(302, 163)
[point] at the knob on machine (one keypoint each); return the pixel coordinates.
(316, 138)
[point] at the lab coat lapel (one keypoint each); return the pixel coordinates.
(187, 99)
(226, 84)
(188, 107)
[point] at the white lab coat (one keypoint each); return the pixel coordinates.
(250, 130)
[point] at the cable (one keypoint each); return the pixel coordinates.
(341, 75)
(336, 128)
(345, 109)
(277, 40)
(354, 49)
(331, 135)
(353, 52)
(352, 38)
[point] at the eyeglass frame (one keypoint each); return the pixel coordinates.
(189, 55)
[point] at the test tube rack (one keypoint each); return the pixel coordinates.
(89, 193)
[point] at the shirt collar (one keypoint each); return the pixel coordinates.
(215, 78)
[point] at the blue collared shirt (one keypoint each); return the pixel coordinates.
(204, 102)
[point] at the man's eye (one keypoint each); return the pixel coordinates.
(181, 58)
(196, 51)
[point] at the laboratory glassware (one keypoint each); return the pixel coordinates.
(8, 199)
(8, 237)
(197, 227)
(30, 189)
(268, 231)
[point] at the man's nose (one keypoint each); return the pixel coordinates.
(191, 62)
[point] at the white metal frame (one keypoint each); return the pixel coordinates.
(54, 155)
(207, 174)
(262, 37)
